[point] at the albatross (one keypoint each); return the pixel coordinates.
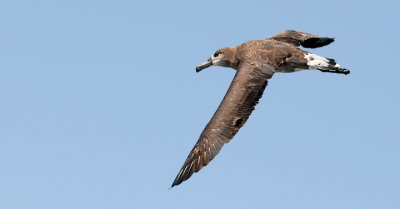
(255, 62)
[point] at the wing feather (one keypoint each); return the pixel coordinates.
(244, 92)
(297, 38)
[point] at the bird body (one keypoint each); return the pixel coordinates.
(255, 61)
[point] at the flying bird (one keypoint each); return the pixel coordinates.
(255, 62)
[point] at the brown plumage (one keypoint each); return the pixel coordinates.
(255, 61)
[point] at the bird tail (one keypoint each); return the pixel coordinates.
(324, 64)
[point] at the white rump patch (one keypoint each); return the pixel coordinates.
(316, 62)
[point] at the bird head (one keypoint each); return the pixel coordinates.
(222, 57)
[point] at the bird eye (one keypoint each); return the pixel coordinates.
(216, 54)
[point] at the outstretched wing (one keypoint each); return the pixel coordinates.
(297, 38)
(244, 92)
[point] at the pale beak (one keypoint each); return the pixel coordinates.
(204, 65)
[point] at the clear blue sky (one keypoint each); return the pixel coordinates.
(100, 105)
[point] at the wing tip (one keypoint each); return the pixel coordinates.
(178, 180)
(174, 184)
(182, 176)
(317, 42)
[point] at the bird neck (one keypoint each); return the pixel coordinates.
(231, 57)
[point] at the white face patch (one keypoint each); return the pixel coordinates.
(315, 62)
(217, 59)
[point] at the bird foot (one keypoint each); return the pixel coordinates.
(336, 70)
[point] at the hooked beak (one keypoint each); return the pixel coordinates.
(204, 65)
